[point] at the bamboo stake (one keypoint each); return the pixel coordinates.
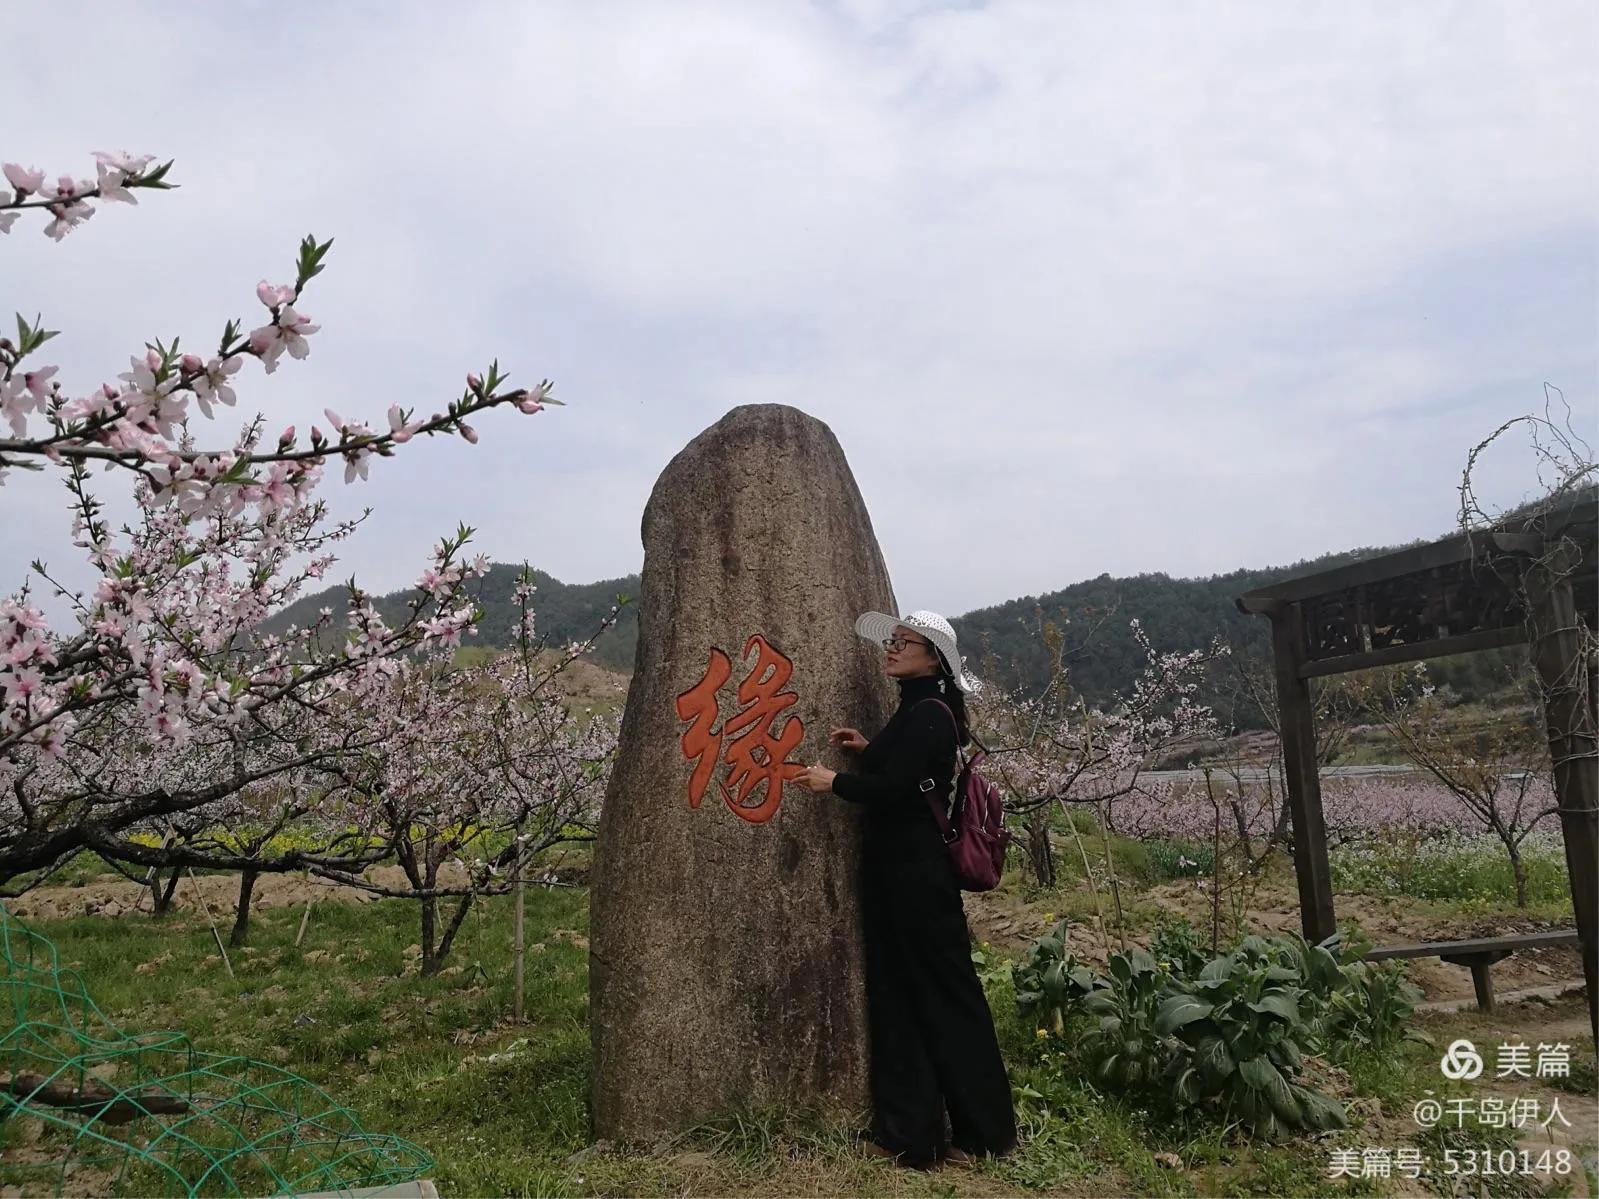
(1088, 873)
(206, 908)
(305, 916)
(519, 933)
(1115, 883)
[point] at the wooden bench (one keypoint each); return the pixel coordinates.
(1478, 955)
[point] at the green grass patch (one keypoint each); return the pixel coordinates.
(502, 1106)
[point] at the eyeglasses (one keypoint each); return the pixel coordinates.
(895, 644)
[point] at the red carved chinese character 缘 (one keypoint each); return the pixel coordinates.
(755, 754)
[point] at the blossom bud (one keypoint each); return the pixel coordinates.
(400, 431)
(192, 364)
(286, 438)
(316, 436)
(468, 432)
(474, 382)
(152, 360)
(529, 406)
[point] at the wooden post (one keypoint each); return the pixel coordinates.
(519, 935)
(1483, 983)
(1558, 651)
(1311, 867)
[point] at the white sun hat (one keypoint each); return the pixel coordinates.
(878, 627)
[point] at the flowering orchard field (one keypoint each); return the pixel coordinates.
(1402, 835)
(1357, 809)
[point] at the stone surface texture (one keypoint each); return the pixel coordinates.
(726, 967)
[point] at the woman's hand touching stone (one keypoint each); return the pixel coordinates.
(815, 778)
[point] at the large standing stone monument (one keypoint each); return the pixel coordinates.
(726, 968)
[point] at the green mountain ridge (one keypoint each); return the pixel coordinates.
(563, 612)
(1000, 641)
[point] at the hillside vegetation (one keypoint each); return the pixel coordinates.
(1003, 640)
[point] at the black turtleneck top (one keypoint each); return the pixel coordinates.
(917, 743)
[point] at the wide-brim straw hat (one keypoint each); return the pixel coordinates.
(878, 627)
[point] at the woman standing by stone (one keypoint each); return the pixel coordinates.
(932, 1037)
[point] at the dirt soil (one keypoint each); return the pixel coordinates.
(110, 895)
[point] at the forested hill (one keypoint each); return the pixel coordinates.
(1175, 613)
(564, 612)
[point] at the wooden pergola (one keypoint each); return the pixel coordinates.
(1530, 579)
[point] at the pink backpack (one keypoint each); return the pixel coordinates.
(976, 836)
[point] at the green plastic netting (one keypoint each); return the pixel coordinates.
(88, 1109)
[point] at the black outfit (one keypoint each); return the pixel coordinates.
(932, 1036)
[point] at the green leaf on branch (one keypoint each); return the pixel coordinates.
(310, 263)
(156, 177)
(31, 337)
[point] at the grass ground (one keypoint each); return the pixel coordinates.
(501, 1106)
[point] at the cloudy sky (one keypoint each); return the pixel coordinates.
(1080, 288)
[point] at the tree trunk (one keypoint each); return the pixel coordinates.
(241, 919)
(430, 964)
(454, 927)
(1518, 869)
(431, 957)
(161, 893)
(1285, 829)
(1040, 853)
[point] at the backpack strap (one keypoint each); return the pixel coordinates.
(948, 831)
(960, 755)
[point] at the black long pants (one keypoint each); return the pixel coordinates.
(932, 1035)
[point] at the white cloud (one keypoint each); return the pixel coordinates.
(1135, 270)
